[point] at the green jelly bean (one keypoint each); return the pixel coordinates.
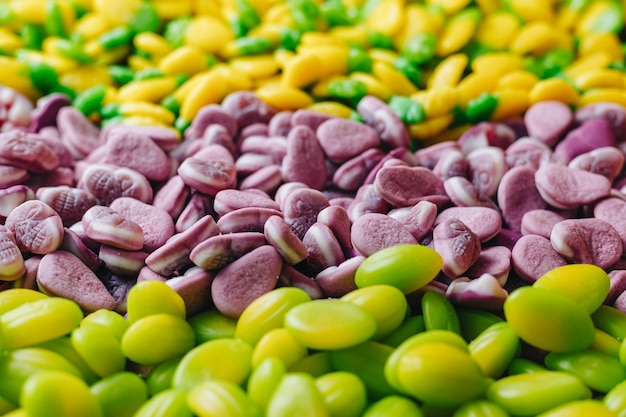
(523, 366)
(615, 399)
(328, 324)
(473, 321)
(121, 394)
(605, 343)
(554, 61)
(227, 359)
(73, 50)
(409, 70)
(385, 303)
(247, 14)
(344, 394)
(267, 312)
(304, 13)
(221, 398)
(281, 344)
(264, 380)
(297, 395)
(610, 320)
(38, 321)
(530, 394)
(16, 366)
(315, 364)
(32, 35)
(439, 314)
(238, 27)
(611, 20)
(147, 74)
(548, 320)
(598, 371)
(495, 348)
(353, 90)
(15, 297)
(380, 40)
(480, 408)
(211, 325)
(54, 24)
(53, 393)
(6, 406)
(430, 373)
(174, 31)
(407, 109)
(170, 403)
(406, 267)
(160, 377)
(171, 104)
(433, 336)
(409, 327)
(181, 124)
(99, 347)
(583, 408)
(252, 45)
(157, 338)
(113, 321)
(89, 101)
(63, 346)
(481, 108)
(334, 13)
(145, 19)
(420, 48)
(110, 110)
(586, 284)
(367, 361)
(289, 38)
(393, 406)
(153, 297)
(120, 74)
(359, 60)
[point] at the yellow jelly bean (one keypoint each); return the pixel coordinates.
(15, 297)
(210, 89)
(12, 72)
(350, 34)
(100, 348)
(597, 95)
(142, 121)
(437, 101)
(600, 78)
(430, 128)
(497, 29)
(386, 303)
(553, 89)
(302, 70)
(387, 17)
(511, 103)
(331, 108)
(606, 42)
(139, 63)
(91, 25)
(264, 379)
(152, 44)
(474, 85)
(419, 19)
(39, 320)
(329, 324)
(581, 408)
(153, 297)
(146, 109)
(374, 86)
(151, 90)
(208, 34)
(458, 31)
(532, 10)
(256, 67)
(590, 18)
(382, 55)
(594, 60)
(218, 398)
(517, 80)
(448, 72)
(9, 41)
(235, 78)
(54, 393)
(281, 344)
(494, 349)
(500, 63)
(283, 97)
(30, 11)
(536, 38)
(85, 77)
(450, 7)
(344, 394)
(393, 79)
(605, 343)
(172, 9)
(118, 13)
(186, 60)
(297, 395)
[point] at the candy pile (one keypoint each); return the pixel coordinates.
(325, 208)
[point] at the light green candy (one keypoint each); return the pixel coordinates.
(19, 365)
(406, 267)
(226, 359)
(218, 398)
(480, 408)
(6, 406)
(156, 338)
(267, 312)
(343, 392)
(113, 321)
(160, 377)
(329, 324)
(583, 408)
(264, 380)
(534, 393)
(393, 406)
(53, 393)
(438, 312)
(598, 371)
(38, 321)
(169, 403)
(549, 320)
(15, 297)
(211, 325)
(385, 303)
(153, 297)
(100, 349)
(120, 395)
(610, 320)
(440, 374)
(297, 395)
(586, 284)
(281, 344)
(495, 348)
(409, 327)
(315, 364)
(615, 399)
(63, 346)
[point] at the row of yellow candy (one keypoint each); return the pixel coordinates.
(198, 58)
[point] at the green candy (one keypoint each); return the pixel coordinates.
(221, 398)
(119, 36)
(530, 394)
(409, 70)
(406, 267)
(315, 364)
(420, 48)
(480, 408)
(344, 394)
(409, 327)
(145, 19)
(296, 395)
(523, 366)
(407, 109)
(100, 348)
(113, 321)
(153, 297)
(174, 31)
(440, 374)
(252, 45)
(598, 371)
(335, 13)
(438, 312)
(170, 403)
(54, 24)
(63, 346)
(393, 406)
(473, 321)
(211, 325)
(160, 377)
(329, 324)
(549, 320)
(347, 89)
(32, 35)
(359, 60)
(264, 380)
(481, 108)
(120, 74)
(610, 320)
(121, 394)
(380, 40)
(495, 348)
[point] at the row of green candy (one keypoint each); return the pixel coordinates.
(441, 64)
(378, 351)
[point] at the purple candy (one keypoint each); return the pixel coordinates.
(342, 139)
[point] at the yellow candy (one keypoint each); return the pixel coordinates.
(458, 32)
(606, 42)
(437, 101)
(151, 90)
(553, 89)
(474, 85)
(15, 297)
(595, 60)
(208, 34)
(511, 103)
(393, 79)
(522, 80)
(531, 10)
(9, 42)
(581, 408)
(589, 20)
(600, 78)
(431, 127)
(383, 55)
(146, 109)
(92, 25)
(278, 343)
(220, 399)
(172, 9)
(387, 18)
(153, 44)
(418, 20)
(498, 63)
(153, 297)
(497, 29)
(333, 59)
(537, 38)
(449, 6)
(187, 60)
(256, 67)
(31, 11)
(332, 108)
(117, 13)
(375, 87)
(597, 95)
(210, 89)
(350, 34)
(282, 97)
(85, 77)
(302, 70)
(448, 72)
(139, 63)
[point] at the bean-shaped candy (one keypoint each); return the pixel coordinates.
(296, 394)
(278, 343)
(264, 379)
(598, 371)
(344, 394)
(15, 297)
(99, 348)
(495, 348)
(210, 325)
(154, 297)
(169, 403)
(579, 409)
(393, 406)
(480, 408)
(121, 394)
(221, 398)
(439, 313)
